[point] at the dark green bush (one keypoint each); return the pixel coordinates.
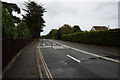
(103, 37)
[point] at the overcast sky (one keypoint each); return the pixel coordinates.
(76, 12)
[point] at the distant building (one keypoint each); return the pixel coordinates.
(99, 28)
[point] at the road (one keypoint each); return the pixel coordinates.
(61, 59)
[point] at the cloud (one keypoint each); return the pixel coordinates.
(85, 14)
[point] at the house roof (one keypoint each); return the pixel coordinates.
(100, 27)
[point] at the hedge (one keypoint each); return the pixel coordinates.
(102, 37)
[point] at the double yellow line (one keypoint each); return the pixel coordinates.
(44, 64)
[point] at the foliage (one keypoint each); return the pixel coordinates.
(76, 28)
(8, 28)
(16, 19)
(103, 37)
(10, 7)
(52, 34)
(43, 37)
(34, 18)
(66, 29)
(23, 30)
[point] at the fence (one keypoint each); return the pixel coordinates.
(11, 47)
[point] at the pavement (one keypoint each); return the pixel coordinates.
(25, 65)
(55, 59)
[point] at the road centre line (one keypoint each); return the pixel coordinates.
(106, 58)
(73, 58)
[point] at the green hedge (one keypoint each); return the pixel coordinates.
(104, 37)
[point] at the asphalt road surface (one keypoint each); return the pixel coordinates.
(61, 59)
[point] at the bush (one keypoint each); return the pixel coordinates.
(102, 37)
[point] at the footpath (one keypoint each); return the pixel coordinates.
(25, 66)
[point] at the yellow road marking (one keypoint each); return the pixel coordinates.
(47, 68)
(39, 69)
(44, 64)
(42, 61)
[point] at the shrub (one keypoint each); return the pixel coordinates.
(102, 37)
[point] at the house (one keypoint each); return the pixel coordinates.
(99, 28)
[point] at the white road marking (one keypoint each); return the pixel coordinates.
(96, 55)
(73, 58)
(43, 46)
(54, 44)
(46, 46)
(58, 47)
(48, 43)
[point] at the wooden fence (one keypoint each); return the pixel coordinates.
(10, 48)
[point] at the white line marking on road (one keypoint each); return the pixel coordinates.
(46, 46)
(48, 43)
(110, 59)
(54, 44)
(38, 47)
(58, 47)
(73, 58)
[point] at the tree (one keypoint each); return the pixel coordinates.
(23, 30)
(76, 28)
(58, 34)
(53, 34)
(8, 28)
(16, 19)
(10, 7)
(34, 18)
(66, 29)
